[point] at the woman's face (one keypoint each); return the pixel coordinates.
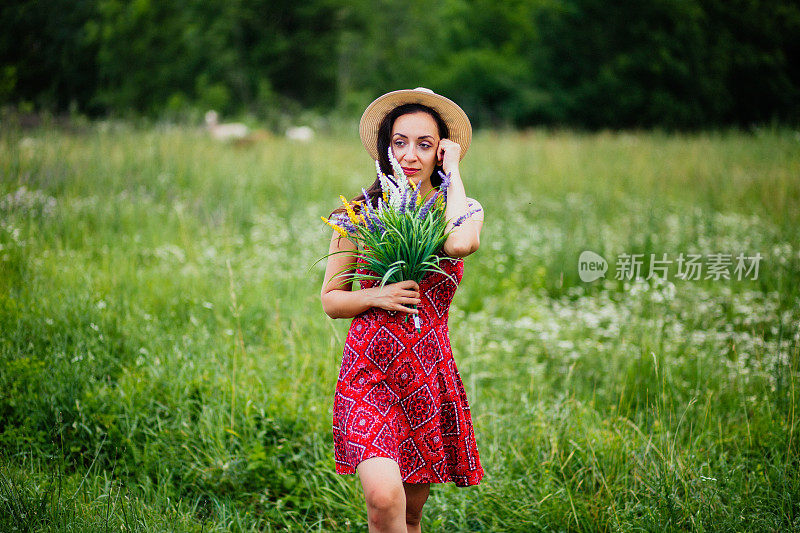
(414, 142)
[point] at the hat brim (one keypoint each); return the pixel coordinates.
(460, 129)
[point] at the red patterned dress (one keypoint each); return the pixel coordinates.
(399, 393)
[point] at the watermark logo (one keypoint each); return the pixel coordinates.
(688, 267)
(591, 266)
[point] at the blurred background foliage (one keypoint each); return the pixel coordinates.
(674, 64)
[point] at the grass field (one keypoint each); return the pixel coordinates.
(165, 363)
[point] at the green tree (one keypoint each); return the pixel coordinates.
(586, 63)
(46, 57)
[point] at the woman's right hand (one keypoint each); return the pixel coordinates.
(395, 296)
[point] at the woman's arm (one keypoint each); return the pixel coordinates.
(466, 238)
(339, 300)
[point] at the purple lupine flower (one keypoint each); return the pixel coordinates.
(460, 220)
(445, 184)
(367, 200)
(348, 226)
(427, 206)
(368, 222)
(367, 210)
(412, 203)
(379, 225)
(371, 214)
(343, 221)
(402, 208)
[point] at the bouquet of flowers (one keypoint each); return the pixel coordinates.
(399, 240)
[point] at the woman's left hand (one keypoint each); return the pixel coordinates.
(448, 154)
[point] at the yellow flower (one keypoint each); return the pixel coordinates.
(334, 226)
(349, 209)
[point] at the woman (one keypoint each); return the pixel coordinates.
(401, 417)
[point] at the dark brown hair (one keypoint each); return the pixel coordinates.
(384, 134)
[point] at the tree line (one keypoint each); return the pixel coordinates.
(680, 64)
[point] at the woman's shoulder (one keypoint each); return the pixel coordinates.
(472, 202)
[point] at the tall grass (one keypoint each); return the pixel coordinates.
(165, 362)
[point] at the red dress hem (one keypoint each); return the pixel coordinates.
(470, 480)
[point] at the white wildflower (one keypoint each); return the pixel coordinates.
(399, 175)
(394, 192)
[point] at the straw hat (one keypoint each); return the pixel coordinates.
(452, 115)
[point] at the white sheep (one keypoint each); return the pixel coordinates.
(300, 133)
(225, 132)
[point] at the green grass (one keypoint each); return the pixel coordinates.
(165, 362)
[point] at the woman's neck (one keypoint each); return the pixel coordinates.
(424, 188)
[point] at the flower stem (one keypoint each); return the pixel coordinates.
(416, 320)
